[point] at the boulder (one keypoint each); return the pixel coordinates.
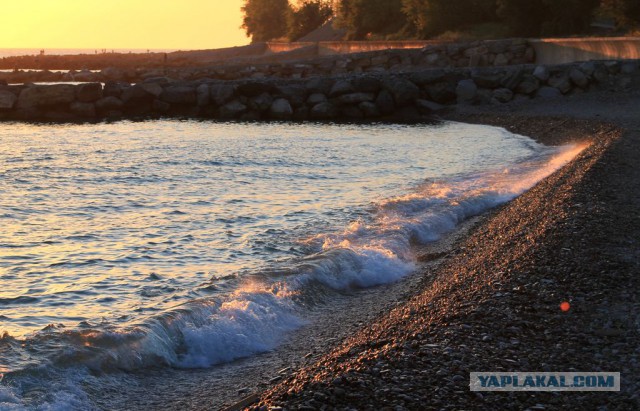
(385, 103)
(561, 82)
(369, 109)
(501, 60)
(109, 103)
(83, 109)
(487, 79)
(316, 98)
(512, 78)
(588, 67)
(541, 73)
(184, 95)
(261, 103)
(114, 88)
(366, 84)
(232, 109)
(7, 100)
(38, 96)
(160, 106)
(341, 87)
(442, 93)
(221, 93)
(578, 78)
(629, 68)
(152, 88)
(466, 91)
(281, 109)
(503, 95)
(323, 111)
(295, 94)
(402, 90)
(528, 85)
(424, 78)
(352, 112)
(548, 92)
(136, 94)
(85, 76)
(426, 106)
(319, 85)
(202, 95)
(355, 98)
(255, 88)
(88, 92)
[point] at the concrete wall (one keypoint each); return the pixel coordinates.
(562, 51)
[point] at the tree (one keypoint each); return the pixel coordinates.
(568, 16)
(524, 17)
(362, 18)
(265, 20)
(625, 12)
(432, 17)
(308, 16)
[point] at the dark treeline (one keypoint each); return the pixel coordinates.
(423, 19)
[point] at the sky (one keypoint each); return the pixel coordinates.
(121, 24)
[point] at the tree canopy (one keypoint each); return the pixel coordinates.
(265, 20)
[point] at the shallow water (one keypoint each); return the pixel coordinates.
(188, 243)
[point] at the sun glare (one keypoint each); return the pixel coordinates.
(122, 24)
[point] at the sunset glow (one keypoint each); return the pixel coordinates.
(122, 24)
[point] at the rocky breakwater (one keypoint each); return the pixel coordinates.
(412, 96)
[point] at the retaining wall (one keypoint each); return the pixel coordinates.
(562, 51)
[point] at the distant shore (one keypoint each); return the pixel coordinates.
(494, 305)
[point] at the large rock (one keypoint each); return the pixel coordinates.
(403, 91)
(385, 103)
(295, 94)
(261, 103)
(355, 98)
(221, 93)
(324, 111)
(137, 94)
(202, 95)
(486, 79)
(109, 103)
(369, 109)
(82, 109)
(39, 96)
(319, 85)
(442, 93)
(232, 110)
(503, 95)
(424, 78)
(184, 95)
(578, 78)
(88, 92)
(541, 73)
(7, 100)
(341, 87)
(152, 88)
(114, 88)
(426, 106)
(466, 91)
(366, 84)
(255, 88)
(548, 92)
(281, 109)
(316, 98)
(528, 85)
(561, 82)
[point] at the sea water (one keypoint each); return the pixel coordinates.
(188, 244)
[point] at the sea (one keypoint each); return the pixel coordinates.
(182, 245)
(11, 52)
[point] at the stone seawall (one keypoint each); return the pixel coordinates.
(411, 96)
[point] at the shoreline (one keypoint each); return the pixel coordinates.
(494, 305)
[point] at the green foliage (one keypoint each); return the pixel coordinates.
(265, 20)
(625, 12)
(362, 18)
(523, 17)
(547, 17)
(432, 17)
(308, 16)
